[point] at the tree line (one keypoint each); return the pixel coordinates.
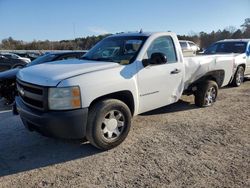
(203, 39)
(76, 44)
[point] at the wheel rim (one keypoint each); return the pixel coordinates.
(113, 125)
(239, 77)
(210, 96)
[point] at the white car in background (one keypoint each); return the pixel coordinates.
(189, 48)
(240, 50)
(14, 56)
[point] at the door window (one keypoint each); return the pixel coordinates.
(163, 45)
(191, 44)
(212, 49)
(183, 45)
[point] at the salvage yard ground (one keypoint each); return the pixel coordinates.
(176, 146)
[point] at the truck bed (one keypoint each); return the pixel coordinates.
(198, 66)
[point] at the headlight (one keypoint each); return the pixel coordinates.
(66, 98)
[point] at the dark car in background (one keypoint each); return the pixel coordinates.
(8, 78)
(8, 62)
(56, 56)
(31, 55)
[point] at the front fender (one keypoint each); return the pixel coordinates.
(100, 83)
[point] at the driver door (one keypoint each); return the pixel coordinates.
(162, 84)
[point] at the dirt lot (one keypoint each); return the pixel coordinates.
(175, 146)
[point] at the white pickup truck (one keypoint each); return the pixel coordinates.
(120, 77)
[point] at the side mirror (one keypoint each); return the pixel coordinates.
(155, 59)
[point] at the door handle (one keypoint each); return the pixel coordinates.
(176, 71)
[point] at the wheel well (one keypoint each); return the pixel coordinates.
(242, 65)
(124, 96)
(217, 76)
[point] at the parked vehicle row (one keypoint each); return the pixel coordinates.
(31, 55)
(8, 78)
(122, 76)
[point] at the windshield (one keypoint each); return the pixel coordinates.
(227, 47)
(42, 59)
(121, 50)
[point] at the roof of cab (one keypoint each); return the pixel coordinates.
(138, 34)
(186, 41)
(131, 34)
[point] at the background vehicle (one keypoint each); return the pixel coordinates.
(15, 56)
(31, 55)
(7, 62)
(240, 49)
(189, 48)
(8, 78)
(96, 96)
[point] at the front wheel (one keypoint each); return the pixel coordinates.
(238, 77)
(206, 93)
(108, 124)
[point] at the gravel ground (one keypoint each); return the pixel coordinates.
(175, 146)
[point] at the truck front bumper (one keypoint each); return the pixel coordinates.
(70, 124)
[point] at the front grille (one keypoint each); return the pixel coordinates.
(32, 95)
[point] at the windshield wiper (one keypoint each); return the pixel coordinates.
(103, 59)
(99, 59)
(86, 58)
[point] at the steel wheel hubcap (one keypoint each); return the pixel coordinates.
(113, 125)
(210, 96)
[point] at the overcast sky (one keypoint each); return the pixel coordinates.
(66, 19)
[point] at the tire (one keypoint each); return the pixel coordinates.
(109, 123)
(206, 93)
(238, 77)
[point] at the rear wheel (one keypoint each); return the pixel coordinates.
(238, 77)
(206, 93)
(108, 124)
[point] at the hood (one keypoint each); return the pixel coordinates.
(51, 73)
(9, 74)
